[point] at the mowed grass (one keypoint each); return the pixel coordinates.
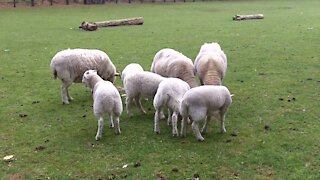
(273, 70)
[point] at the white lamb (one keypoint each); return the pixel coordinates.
(171, 63)
(200, 103)
(131, 69)
(106, 99)
(210, 64)
(169, 94)
(69, 66)
(138, 85)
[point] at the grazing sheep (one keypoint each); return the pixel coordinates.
(210, 64)
(69, 66)
(106, 99)
(200, 103)
(131, 69)
(169, 94)
(170, 63)
(140, 84)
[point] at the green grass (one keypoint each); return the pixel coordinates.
(269, 59)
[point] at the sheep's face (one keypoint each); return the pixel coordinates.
(86, 77)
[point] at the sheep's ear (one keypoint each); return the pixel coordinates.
(95, 71)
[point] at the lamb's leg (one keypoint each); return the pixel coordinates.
(100, 128)
(174, 124)
(196, 131)
(138, 103)
(169, 117)
(183, 126)
(205, 125)
(222, 117)
(156, 120)
(65, 93)
(129, 106)
(117, 124)
(111, 125)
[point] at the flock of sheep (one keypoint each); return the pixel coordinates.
(171, 84)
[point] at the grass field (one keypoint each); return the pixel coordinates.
(273, 70)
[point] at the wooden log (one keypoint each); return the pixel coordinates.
(121, 22)
(88, 26)
(246, 17)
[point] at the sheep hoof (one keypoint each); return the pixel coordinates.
(65, 102)
(70, 98)
(111, 126)
(175, 135)
(157, 132)
(118, 132)
(200, 139)
(98, 138)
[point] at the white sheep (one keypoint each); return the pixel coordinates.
(69, 66)
(138, 85)
(171, 63)
(169, 94)
(131, 69)
(210, 64)
(201, 103)
(106, 99)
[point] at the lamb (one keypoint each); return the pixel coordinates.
(170, 63)
(131, 69)
(200, 103)
(106, 99)
(169, 94)
(69, 66)
(210, 64)
(140, 84)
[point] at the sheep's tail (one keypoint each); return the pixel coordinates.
(213, 75)
(183, 108)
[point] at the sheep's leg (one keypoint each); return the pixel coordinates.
(100, 128)
(138, 103)
(169, 117)
(196, 131)
(129, 106)
(183, 126)
(117, 124)
(205, 125)
(162, 116)
(156, 120)
(111, 125)
(174, 124)
(222, 117)
(65, 93)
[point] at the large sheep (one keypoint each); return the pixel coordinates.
(140, 84)
(131, 69)
(106, 99)
(210, 64)
(169, 94)
(171, 63)
(69, 66)
(200, 103)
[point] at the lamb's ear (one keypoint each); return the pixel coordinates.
(95, 71)
(85, 75)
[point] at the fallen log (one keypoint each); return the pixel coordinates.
(121, 22)
(247, 17)
(88, 26)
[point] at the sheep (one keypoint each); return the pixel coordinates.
(131, 69)
(169, 94)
(210, 64)
(171, 63)
(200, 103)
(69, 66)
(106, 99)
(140, 84)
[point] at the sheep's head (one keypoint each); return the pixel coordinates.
(87, 76)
